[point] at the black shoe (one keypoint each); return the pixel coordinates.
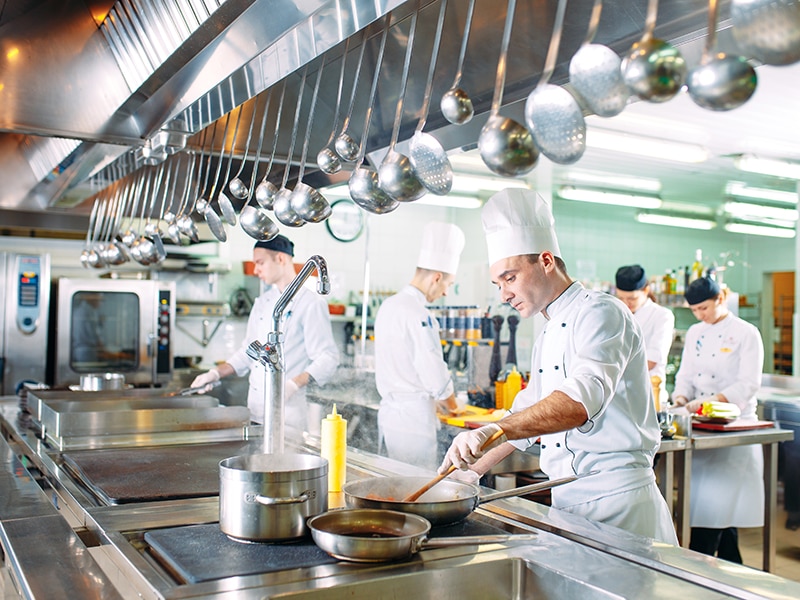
(793, 521)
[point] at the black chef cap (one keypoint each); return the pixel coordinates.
(631, 278)
(280, 243)
(701, 290)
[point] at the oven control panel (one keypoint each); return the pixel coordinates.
(29, 293)
(164, 332)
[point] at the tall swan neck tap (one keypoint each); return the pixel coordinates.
(323, 286)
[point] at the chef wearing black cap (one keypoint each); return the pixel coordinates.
(721, 361)
(657, 322)
(309, 348)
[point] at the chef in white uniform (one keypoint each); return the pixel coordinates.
(722, 361)
(589, 398)
(309, 349)
(657, 322)
(410, 372)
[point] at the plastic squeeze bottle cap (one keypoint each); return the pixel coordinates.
(333, 448)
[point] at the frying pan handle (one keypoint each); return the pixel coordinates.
(529, 489)
(476, 539)
(307, 495)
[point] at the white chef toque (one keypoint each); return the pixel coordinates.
(441, 247)
(517, 222)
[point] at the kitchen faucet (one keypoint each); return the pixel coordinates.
(270, 354)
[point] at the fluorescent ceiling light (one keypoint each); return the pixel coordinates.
(742, 190)
(662, 149)
(751, 229)
(568, 192)
(747, 211)
(675, 221)
(626, 182)
(476, 183)
(451, 200)
(768, 166)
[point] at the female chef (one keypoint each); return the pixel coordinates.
(722, 360)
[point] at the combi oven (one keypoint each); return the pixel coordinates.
(112, 325)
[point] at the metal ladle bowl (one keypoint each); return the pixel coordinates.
(265, 194)
(767, 30)
(594, 73)
(346, 147)
(282, 208)
(366, 193)
(309, 203)
(456, 106)
(654, 70)
(556, 123)
(256, 223)
(328, 161)
(507, 147)
(725, 83)
(398, 179)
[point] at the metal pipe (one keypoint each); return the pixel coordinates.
(270, 354)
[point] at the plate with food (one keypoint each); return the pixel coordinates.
(717, 412)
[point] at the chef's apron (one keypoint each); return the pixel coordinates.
(408, 426)
(625, 497)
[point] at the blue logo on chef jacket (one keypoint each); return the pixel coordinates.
(428, 322)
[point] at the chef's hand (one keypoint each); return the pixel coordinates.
(204, 380)
(449, 410)
(680, 400)
(695, 405)
(467, 447)
(467, 476)
(290, 388)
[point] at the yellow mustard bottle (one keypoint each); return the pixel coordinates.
(512, 387)
(334, 449)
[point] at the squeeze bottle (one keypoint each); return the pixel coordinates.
(512, 387)
(333, 447)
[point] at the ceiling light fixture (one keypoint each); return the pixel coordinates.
(451, 201)
(674, 221)
(626, 182)
(768, 166)
(476, 183)
(751, 212)
(742, 190)
(568, 192)
(752, 229)
(662, 149)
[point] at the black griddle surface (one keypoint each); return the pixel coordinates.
(124, 475)
(197, 553)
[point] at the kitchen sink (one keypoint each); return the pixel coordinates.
(509, 578)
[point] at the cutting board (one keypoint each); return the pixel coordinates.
(474, 416)
(737, 425)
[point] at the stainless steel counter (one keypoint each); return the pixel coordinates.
(571, 557)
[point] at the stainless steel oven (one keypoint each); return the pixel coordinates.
(24, 316)
(112, 325)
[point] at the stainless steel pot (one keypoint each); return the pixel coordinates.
(269, 497)
(95, 382)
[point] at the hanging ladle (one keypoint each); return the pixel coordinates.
(551, 113)
(236, 186)
(225, 204)
(506, 146)
(396, 176)
(86, 252)
(266, 190)
(282, 206)
(327, 159)
(346, 147)
(653, 69)
(306, 201)
(456, 104)
(363, 182)
(594, 73)
(720, 82)
(427, 156)
(766, 30)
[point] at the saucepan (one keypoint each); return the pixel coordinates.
(375, 535)
(448, 501)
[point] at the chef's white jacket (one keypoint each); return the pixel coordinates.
(411, 376)
(727, 483)
(591, 349)
(308, 345)
(657, 324)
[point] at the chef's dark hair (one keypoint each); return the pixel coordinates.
(280, 243)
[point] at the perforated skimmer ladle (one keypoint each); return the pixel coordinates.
(551, 113)
(594, 73)
(506, 146)
(396, 176)
(426, 154)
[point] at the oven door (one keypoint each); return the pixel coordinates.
(114, 326)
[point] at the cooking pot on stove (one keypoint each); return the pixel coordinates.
(95, 382)
(269, 497)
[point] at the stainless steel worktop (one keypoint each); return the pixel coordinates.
(571, 557)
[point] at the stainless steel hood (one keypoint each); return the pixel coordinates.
(84, 84)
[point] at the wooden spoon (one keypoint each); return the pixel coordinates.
(413, 497)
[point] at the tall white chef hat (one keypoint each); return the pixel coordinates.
(517, 222)
(441, 247)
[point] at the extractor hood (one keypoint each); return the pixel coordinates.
(90, 90)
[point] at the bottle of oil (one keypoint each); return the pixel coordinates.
(697, 266)
(333, 448)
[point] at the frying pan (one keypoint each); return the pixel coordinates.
(374, 535)
(447, 502)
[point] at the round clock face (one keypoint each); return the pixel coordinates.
(346, 221)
